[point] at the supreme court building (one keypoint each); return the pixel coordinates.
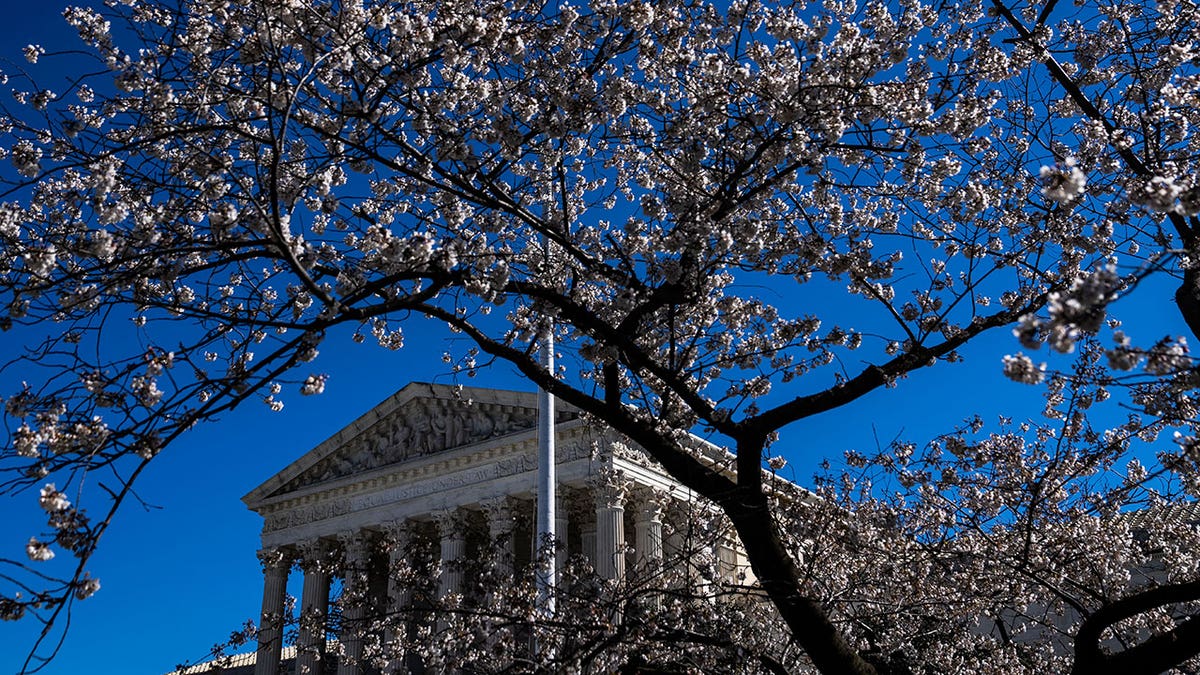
(435, 466)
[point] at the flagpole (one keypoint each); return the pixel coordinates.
(547, 479)
(547, 482)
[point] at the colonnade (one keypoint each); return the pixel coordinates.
(349, 555)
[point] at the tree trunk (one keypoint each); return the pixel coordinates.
(1187, 298)
(778, 575)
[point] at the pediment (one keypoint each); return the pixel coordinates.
(420, 420)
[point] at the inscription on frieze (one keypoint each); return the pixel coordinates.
(304, 515)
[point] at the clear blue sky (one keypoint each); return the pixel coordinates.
(178, 578)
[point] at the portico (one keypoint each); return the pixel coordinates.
(446, 472)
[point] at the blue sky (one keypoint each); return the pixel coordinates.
(179, 577)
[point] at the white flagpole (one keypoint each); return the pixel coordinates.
(547, 480)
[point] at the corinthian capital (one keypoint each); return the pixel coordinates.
(397, 537)
(357, 544)
(650, 503)
(275, 558)
(317, 555)
(609, 488)
(499, 513)
(449, 522)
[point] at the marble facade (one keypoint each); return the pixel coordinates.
(432, 464)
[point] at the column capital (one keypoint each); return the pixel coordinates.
(275, 558)
(318, 555)
(497, 507)
(397, 530)
(567, 498)
(651, 502)
(523, 513)
(449, 522)
(356, 544)
(397, 541)
(609, 489)
(500, 514)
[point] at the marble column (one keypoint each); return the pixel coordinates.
(316, 559)
(648, 532)
(276, 564)
(501, 523)
(675, 544)
(702, 559)
(648, 543)
(726, 559)
(398, 538)
(688, 549)
(357, 546)
(454, 550)
(609, 496)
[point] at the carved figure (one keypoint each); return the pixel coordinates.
(440, 436)
(457, 426)
(482, 425)
(401, 440)
(422, 428)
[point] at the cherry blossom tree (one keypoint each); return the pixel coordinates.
(233, 182)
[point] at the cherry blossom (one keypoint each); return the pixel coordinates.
(1021, 368)
(1063, 183)
(666, 186)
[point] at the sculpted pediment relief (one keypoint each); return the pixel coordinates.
(420, 427)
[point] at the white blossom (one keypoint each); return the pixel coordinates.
(86, 587)
(145, 388)
(26, 158)
(33, 52)
(1021, 368)
(1168, 356)
(1063, 182)
(313, 385)
(53, 501)
(1158, 194)
(38, 551)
